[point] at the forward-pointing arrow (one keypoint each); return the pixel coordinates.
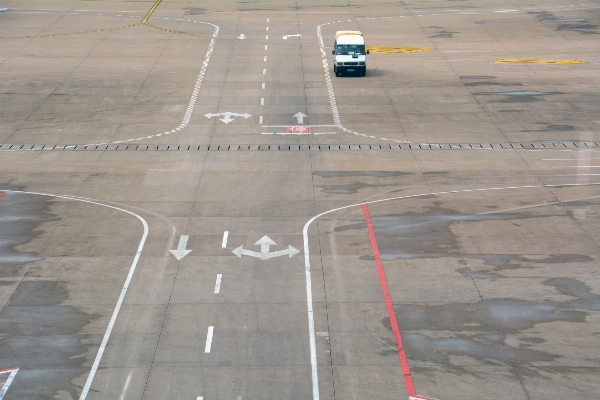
(265, 243)
(181, 251)
(241, 37)
(300, 117)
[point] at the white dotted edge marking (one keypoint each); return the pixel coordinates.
(192, 102)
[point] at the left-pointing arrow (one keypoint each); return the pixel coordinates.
(181, 251)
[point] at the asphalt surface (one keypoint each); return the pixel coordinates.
(433, 226)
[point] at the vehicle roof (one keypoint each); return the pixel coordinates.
(350, 39)
(339, 33)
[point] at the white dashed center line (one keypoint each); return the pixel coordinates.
(225, 236)
(218, 284)
(209, 338)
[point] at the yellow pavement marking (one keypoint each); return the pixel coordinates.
(142, 22)
(391, 50)
(517, 61)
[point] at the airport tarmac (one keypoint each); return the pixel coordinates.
(193, 206)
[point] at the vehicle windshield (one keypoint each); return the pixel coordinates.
(348, 49)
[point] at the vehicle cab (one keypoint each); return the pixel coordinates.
(349, 52)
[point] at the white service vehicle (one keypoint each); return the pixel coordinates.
(349, 52)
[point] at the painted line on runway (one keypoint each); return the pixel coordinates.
(307, 268)
(218, 283)
(209, 338)
(13, 372)
(408, 380)
(125, 388)
(115, 313)
(225, 236)
(193, 98)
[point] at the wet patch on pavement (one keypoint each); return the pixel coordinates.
(423, 235)
(354, 187)
(37, 332)
(552, 128)
(42, 336)
(20, 215)
(482, 328)
(517, 96)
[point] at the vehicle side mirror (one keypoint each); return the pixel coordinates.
(333, 52)
(367, 51)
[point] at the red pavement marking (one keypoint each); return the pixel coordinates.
(2, 194)
(3, 371)
(408, 380)
(298, 129)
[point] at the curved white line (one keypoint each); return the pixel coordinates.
(115, 314)
(311, 321)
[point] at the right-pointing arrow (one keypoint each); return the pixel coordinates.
(300, 117)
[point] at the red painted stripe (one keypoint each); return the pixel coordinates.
(2, 194)
(2, 371)
(408, 380)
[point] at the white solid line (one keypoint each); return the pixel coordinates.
(225, 236)
(309, 305)
(115, 313)
(218, 284)
(260, 119)
(285, 126)
(209, 339)
(262, 101)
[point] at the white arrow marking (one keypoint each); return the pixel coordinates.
(181, 251)
(296, 35)
(227, 116)
(265, 243)
(300, 117)
(241, 37)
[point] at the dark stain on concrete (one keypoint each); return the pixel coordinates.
(517, 96)
(585, 29)
(350, 188)
(477, 77)
(552, 128)
(377, 174)
(481, 328)
(38, 331)
(492, 84)
(194, 11)
(20, 215)
(443, 35)
(354, 187)
(423, 235)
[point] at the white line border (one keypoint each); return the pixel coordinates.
(115, 313)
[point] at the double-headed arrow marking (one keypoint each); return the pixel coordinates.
(227, 116)
(265, 242)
